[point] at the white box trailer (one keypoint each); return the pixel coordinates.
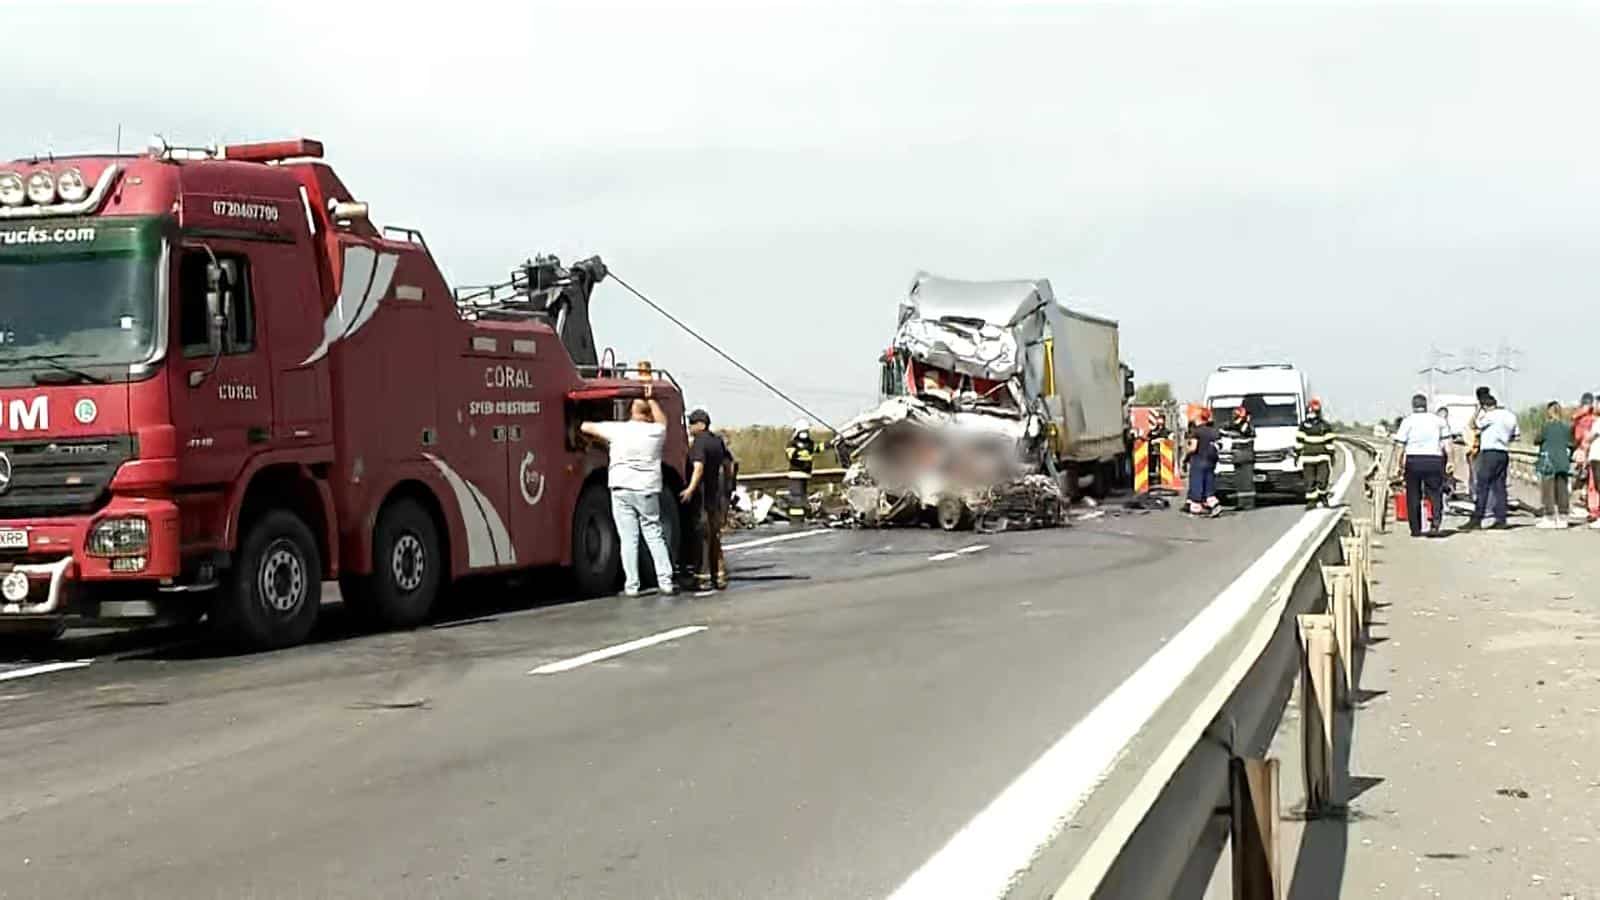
(1009, 349)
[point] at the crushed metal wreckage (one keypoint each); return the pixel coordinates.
(912, 462)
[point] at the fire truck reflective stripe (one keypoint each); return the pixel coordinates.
(525, 346)
(484, 343)
(407, 292)
(366, 279)
(488, 542)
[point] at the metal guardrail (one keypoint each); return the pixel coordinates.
(1195, 772)
(775, 480)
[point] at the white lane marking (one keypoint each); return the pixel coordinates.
(777, 539)
(941, 557)
(1001, 841)
(45, 669)
(567, 665)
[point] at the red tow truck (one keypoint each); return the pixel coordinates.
(222, 385)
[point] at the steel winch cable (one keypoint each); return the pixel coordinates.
(720, 352)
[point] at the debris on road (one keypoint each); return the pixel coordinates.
(914, 462)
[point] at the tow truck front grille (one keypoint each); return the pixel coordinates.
(1271, 456)
(58, 478)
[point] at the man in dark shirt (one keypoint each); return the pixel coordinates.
(711, 473)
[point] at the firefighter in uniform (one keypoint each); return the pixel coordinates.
(1314, 445)
(801, 452)
(1241, 432)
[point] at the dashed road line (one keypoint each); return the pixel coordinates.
(593, 656)
(44, 669)
(776, 539)
(941, 557)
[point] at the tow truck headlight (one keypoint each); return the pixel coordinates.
(121, 536)
(71, 186)
(13, 190)
(14, 586)
(42, 188)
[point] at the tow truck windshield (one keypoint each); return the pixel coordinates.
(73, 299)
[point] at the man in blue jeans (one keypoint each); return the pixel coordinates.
(634, 476)
(1497, 429)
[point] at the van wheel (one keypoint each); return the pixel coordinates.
(407, 569)
(596, 551)
(273, 595)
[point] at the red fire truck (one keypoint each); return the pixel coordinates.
(221, 385)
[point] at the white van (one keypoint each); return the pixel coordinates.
(1276, 395)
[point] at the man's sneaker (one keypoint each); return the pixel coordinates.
(1595, 525)
(1472, 526)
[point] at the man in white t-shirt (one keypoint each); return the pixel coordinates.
(634, 476)
(1424, 440)
(1497, 429)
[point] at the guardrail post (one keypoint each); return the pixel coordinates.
(1337, 580)
(1253, 784)
(1356, 560)
(1316, 711)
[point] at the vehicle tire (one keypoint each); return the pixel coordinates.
(273, 595)
(407, 569)
(953, 515)
(596, 550)
(31, 641)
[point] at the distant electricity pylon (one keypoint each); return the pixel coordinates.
(1503, 360)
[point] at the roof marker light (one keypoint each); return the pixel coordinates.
(12, 189)
(42, 188)
(71, 186)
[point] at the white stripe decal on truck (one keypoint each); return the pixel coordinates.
(488, 542)
(366, 279)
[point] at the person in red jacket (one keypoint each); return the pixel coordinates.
(1585, 493)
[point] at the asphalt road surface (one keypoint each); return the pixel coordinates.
(819, 730)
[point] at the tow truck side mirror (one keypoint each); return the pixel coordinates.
(218, 291)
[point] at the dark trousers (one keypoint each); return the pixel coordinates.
(1490, 477)
(1244, 485)
(1316, 472)
(1202, 481)
(713, 570)
(1553, 496)
(1424, 478)
(798, 492)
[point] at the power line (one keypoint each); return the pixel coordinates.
(719, 351)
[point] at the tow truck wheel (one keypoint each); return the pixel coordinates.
(596, 550)
(273, 595)
(30, 640)
(407, 568)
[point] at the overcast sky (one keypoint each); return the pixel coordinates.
(1336, 185)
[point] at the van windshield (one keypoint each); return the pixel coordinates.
(81, 292)
(1266, 410)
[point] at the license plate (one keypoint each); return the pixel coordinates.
(13, 539)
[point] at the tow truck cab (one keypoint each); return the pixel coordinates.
(220, 384)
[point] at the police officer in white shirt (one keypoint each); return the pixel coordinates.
(1497, 428)
(1424, 440)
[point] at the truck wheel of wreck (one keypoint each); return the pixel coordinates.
(953, 515)
(273, 595)
(596, 551)
(407, 568)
